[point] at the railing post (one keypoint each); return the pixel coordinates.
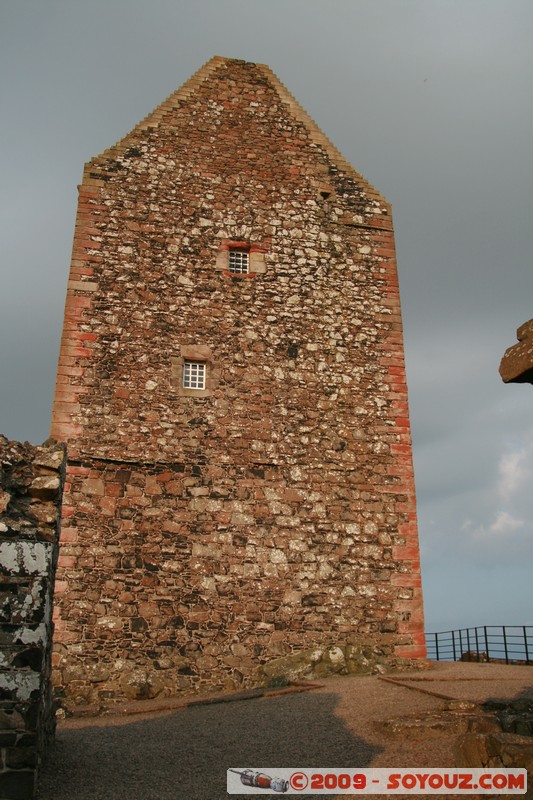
(437, 647)
(486, 642)
(453, 645)
(468, 642)
(477, 644)
(525, 644)
(505, 645)
(461, 642)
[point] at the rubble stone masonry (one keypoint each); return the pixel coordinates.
(208, 532)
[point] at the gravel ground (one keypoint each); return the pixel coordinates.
(185, 753)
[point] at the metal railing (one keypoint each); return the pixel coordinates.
(508, 644)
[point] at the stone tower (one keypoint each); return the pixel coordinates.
(240, 497)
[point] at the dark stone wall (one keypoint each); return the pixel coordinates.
(31, 480)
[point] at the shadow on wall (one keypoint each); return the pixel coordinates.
(187, 753)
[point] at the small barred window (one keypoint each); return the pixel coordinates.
(239, 261)
(194, 374)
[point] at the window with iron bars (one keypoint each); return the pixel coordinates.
(239, 262)
(194, 375)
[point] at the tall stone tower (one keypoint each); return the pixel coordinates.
(240, 498)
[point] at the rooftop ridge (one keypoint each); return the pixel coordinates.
(318, 135)
(169, 104)
(173, 101)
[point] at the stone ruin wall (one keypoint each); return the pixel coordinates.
(30, 501)
(207, 538)
(516, 365)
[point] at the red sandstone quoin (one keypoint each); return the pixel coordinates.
(231, 386)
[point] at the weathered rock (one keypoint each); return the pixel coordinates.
(319, 663)
(437, 723)
(44, 487)
(517, 363)
(5, 497)
(139, 684)
(495, 749)
(485, 744)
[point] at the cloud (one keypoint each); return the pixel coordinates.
(477, 505)
(505, 530)
(516, 469)
(505, 523)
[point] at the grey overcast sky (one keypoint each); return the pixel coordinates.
(432, 101)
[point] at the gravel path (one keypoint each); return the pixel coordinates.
(185, 753)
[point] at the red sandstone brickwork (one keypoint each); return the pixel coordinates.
(204, 536)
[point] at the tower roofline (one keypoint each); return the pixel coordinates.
(175, 100)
